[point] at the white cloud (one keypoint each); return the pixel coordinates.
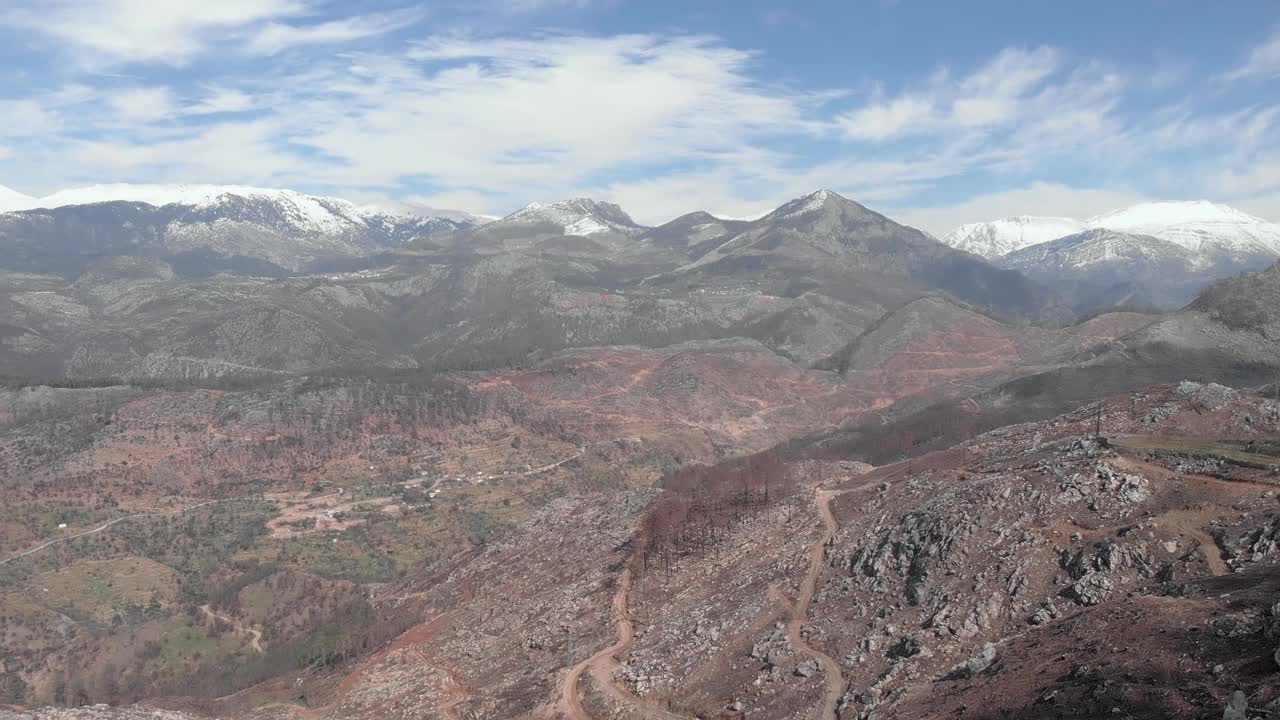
(1047, 199)
(1263, 62)
(26, 118)
(232, 152)
(995, 94)
(1264, 206)
(148, 104)
(221, 101)
(508, 116)
(889, 119)
(1262, 174)
(276, 37)
(538, 5)
(113, 31)
(662, 124)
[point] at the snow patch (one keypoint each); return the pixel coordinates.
(579, 216)
(12, 200)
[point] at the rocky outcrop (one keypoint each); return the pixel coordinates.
(977, 663)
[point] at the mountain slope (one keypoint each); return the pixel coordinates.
(827, 243)
(604, 223)
(1103, 268)
(1230, 335)
(687, 232)
(579, 216)
(1001, 237)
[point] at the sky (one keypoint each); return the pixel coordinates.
(935, 113)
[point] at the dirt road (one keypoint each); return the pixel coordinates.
(255, 635)
(834, 680)
(604, 664)
(117, 521)
(570, 698)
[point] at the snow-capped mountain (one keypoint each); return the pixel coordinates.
(305, 213)
(1156, 253)
(254, 229)
(11, 200)
(1211, 231)
(1092, 248)
(578, 216)
(1101, 268)
(1001, 237)
(1203, 227)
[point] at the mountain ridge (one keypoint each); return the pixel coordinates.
(1197, 225)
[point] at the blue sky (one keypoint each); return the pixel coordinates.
(935, 112)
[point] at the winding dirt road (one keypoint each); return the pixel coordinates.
(255, 635)
(800, 608)
(604, 664)
(570, 703)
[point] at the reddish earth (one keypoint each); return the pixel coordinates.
(1030, 572)
(988, 518)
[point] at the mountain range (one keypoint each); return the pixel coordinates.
(1157, 254)
(266, 455)
(202, 229)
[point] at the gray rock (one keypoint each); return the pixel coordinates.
(906, 647)
(1237, 708)
(1091, 589)
(976, 663)
(1044, 615)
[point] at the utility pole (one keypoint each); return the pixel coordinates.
(1097, 424)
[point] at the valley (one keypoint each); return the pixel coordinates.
(562, 465)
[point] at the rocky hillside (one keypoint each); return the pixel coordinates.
(1227, 335)
(804, 280)
(1028, 571)
(835, 246)
(1105, 269)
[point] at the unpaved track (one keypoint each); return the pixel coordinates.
(118, 520)
(604, 663)
(834, 686)
(255, 635)
(570, 698)
(454, 688)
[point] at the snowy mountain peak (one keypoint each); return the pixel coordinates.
(576, 216)
(11, 200)
(1001, 237)
(283, 227)
(811, 203)
(160, 195)
(1165, 214)
(206, 197)
(1210, 229)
